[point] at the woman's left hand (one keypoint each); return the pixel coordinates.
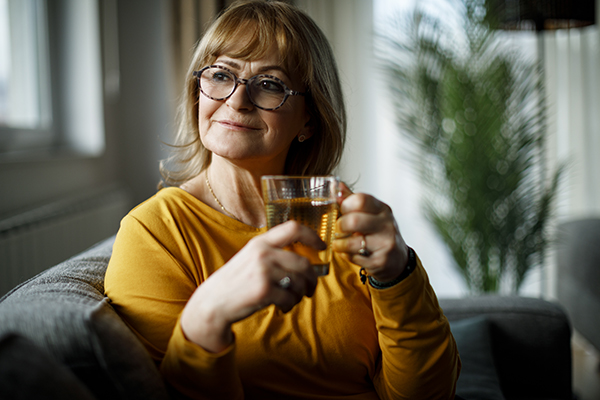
(364, 218)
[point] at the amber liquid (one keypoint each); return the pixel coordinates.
(318, 214)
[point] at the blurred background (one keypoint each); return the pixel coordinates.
(88, 91)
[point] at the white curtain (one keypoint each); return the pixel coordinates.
(572, 64)
(573, 80)
(188, 20)
(348, 24)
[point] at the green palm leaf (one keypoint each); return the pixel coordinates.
(477, 120)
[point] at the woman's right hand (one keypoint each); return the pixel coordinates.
(250, 282)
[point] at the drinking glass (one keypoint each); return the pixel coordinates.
(310, 200)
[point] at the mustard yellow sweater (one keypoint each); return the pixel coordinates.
(349, 341)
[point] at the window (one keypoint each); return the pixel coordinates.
(50, 77)
(25, 115)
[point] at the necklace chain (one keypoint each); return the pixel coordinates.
(216, 199)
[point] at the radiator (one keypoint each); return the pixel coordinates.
(38, 239)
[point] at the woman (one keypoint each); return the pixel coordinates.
(222, 308)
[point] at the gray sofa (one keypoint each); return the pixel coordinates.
(61, 339)
(578, 257)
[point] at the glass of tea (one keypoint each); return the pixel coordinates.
(310, 200)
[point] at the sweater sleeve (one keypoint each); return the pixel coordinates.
(149, 281)
(419, 357)
(199, 374)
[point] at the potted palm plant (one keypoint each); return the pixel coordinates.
(469, 104)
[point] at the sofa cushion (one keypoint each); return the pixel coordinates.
(478, 378)
(63, 310)
(531, 338)
(29, 372)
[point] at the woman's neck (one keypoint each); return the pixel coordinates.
(238, 194)
(232, 190)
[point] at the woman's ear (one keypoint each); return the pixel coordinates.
(307, 130)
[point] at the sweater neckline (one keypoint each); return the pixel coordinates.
(215, 215)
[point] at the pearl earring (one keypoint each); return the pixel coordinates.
(301, 138)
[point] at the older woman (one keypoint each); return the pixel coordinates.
(197, 276)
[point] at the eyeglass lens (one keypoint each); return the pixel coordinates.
(264, 91)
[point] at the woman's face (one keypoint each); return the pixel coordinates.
(237, 130)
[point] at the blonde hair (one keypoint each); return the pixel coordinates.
(304, 51)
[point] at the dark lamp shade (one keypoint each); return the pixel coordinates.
(543, 14)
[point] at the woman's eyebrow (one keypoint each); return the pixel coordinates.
(230, 63)
(265, 68)
(272, 68)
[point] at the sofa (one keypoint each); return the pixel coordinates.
(61, 339)
(578, 257)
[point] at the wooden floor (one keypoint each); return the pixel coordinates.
(586, 369)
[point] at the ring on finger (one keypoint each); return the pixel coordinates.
(363, 251)
(285, 282)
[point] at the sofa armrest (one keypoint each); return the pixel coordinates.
(531, 341)
(64, 312)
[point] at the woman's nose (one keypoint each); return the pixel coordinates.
(239, 100)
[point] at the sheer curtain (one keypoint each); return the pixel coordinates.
(572, 65)
(188, 20)
(348, 24)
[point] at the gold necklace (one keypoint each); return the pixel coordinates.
(216, 199)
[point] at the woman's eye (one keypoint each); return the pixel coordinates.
(221, 77)
(271, 86)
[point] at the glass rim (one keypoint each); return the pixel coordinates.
(298, 177)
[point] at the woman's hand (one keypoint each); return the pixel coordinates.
(364, 218)
(250, 282)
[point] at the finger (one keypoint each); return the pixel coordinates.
(291, 232)
(350, 244)
(303, 276)
(362, 223)
(294, 284)
(286, 297)
(361, 202)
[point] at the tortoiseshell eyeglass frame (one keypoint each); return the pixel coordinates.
(240, 81)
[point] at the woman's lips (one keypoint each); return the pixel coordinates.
(236, 125)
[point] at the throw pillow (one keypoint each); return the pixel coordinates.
(478, 378)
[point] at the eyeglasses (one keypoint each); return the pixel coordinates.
(266, 92)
